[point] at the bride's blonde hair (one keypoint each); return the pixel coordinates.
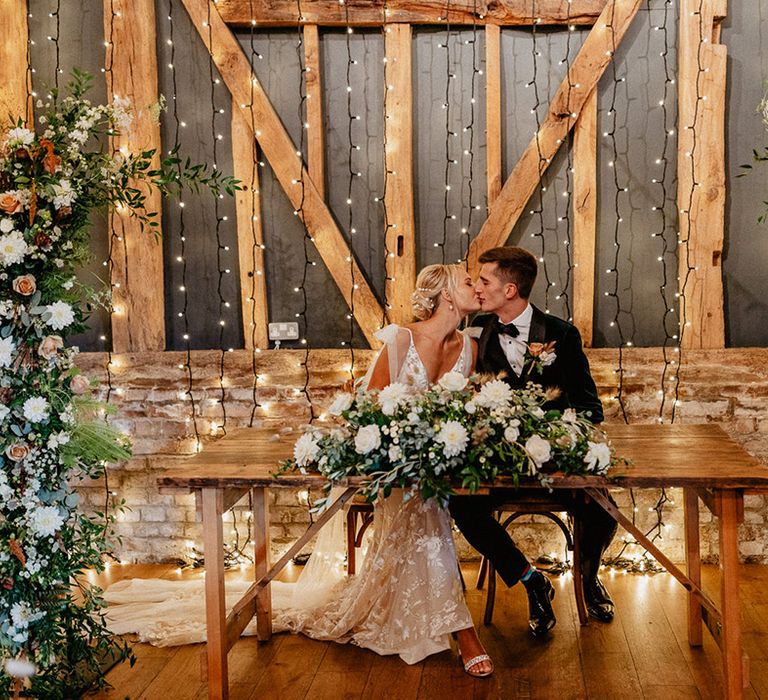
(432, 280)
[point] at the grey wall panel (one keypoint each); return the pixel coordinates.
(745, 32)
(81, 45)
(205, 111)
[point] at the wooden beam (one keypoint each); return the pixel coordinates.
(493, 110)
(585, 217)
(288, 167)
(398, 199)
(371, 13)
(583, 76)
(316, 128)
(701, 174)
(14, 100)
(138, 297)
(250, 238)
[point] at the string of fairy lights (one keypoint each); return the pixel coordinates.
(388, 225)
(181, 259)
(298, 211)
(257, 247)
(449, 160)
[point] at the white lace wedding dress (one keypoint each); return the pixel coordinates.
(406, 599)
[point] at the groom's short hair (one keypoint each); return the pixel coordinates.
(515, 265)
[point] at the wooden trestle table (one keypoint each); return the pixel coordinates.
(701, 459)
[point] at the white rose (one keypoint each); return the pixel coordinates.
(598, 457)
(4, 411)
(538, 449)
(46, 521)
(570, 416)
(306, 449)
(454, 437)
(6, 225)
(391, 396)
(394, 453)
(470, 407)
(368, 438)
(538, 412)
(341, 403)
(7, 348)
(512, 431)
(60, 315)
(36, 409)
(453, 381)
(494, 394)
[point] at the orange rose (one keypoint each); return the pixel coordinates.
(17, 451)
(51, 163)
(535, 349)
(79, 384)
(25, 285)
(49, 346)
(9, 203)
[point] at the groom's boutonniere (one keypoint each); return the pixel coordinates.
(539, 355)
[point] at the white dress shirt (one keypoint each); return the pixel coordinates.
(514, 348)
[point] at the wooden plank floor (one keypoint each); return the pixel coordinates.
(642, 654)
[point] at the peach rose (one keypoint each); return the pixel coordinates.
(9, 203)
(535, 349)
(25, 285)
(79, 384)
(50, 345)
(17, 451)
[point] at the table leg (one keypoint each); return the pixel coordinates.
(693, 565)
(215, 604)
(260, 536)
(733, 671)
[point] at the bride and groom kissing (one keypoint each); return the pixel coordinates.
(408, 597)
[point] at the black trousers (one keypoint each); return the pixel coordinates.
(474, 518)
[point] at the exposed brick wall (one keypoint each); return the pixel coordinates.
(726, 386)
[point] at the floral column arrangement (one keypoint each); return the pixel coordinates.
(53, 433)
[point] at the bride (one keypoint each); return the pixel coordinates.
(408, 597)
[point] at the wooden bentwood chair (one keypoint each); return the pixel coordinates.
(533, 505)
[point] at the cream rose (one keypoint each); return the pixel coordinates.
(25, 285)
(79, 384)
(49, 346)
(538, 449)
(17, 451)
(453, 381)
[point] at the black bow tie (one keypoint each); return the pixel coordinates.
(509, 329)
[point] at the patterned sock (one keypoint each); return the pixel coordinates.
(527, 574)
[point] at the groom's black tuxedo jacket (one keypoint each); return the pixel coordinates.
(569, 372)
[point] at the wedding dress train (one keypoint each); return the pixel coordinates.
(406, 599)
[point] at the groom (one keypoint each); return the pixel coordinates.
(509, 325)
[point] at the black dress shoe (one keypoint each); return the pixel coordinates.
(599, 603)
(540, 591)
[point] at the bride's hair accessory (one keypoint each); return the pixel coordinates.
(430, 282)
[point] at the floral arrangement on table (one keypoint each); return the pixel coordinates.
(53, 433)
(460, 432)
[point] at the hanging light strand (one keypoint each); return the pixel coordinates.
(449, 161)
(618, 219)
(179, 124)
(299, 210)
(388, 171)
(352, 173)
(255, 245)
(220, 247)
(538, 211)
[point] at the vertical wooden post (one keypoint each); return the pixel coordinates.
(733, 666)
(250, 238)
(138, 298)
(693, 565)
(260, 536)
(493, 110)
(585, 217)
(398, 158)
(14, 29)
(701, 172)
(315, 129)
(215, 603)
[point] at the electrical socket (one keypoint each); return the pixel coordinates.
(284, 331)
